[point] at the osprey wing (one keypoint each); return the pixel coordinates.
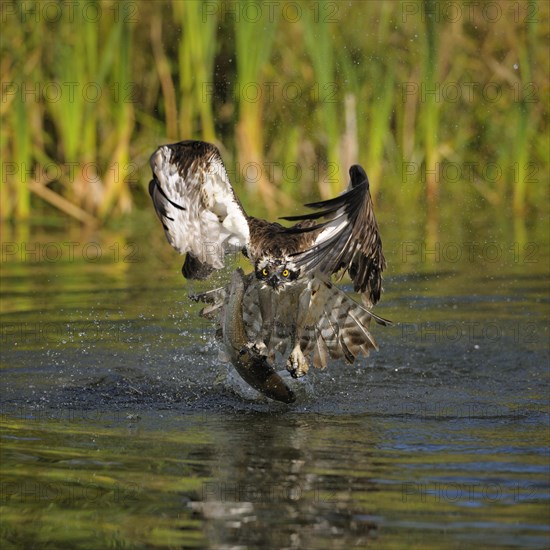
(348, 239)
(197, 206)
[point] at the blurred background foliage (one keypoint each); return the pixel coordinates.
(443, 103)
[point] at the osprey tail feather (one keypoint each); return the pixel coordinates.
(341, 330)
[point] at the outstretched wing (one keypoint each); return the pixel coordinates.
(197, 206)
(348, 239)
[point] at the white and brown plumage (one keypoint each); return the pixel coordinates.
(291, 300)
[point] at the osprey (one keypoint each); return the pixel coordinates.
(291, 299)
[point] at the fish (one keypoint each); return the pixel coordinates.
(253, 367)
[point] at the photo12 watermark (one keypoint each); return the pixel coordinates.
(68, 172)
(62, 333)
(64, 415)
(470, 92)
(264, 492)
(289, 172)
(470, 11)
(463, 412)
(276, 92)
(449, 172)
(470, 332)
(71, 11)
(69, 251)
(419, 251)
(67, 492)
(462, 492)
(54, 91)
(271, 11)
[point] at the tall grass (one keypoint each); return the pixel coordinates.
(183, 69)
(196, 51)
(71, 136)
(22, 157)
(370, 78)
(322, 50)
(253, 43)
(430, 108)
(116, 145)
(74, 59)
(524, 120)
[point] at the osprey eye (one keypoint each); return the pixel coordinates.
(285, 273)
(265, 273)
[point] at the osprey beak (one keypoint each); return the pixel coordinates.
(273, 282)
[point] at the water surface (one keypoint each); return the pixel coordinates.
(120, 427)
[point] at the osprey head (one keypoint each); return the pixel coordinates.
(278, 274)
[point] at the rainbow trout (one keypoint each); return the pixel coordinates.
(253, 367)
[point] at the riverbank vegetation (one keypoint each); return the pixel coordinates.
(441, 102)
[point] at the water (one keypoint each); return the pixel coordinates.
(120, 428)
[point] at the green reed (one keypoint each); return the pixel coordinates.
(163, 72)
(16, 123)
(196, 51)
(321, 50)
(116, 70)
(22, 147)
(74, 114)
(253, 45)
(69, 138)
(430, 105)
(523, 120)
